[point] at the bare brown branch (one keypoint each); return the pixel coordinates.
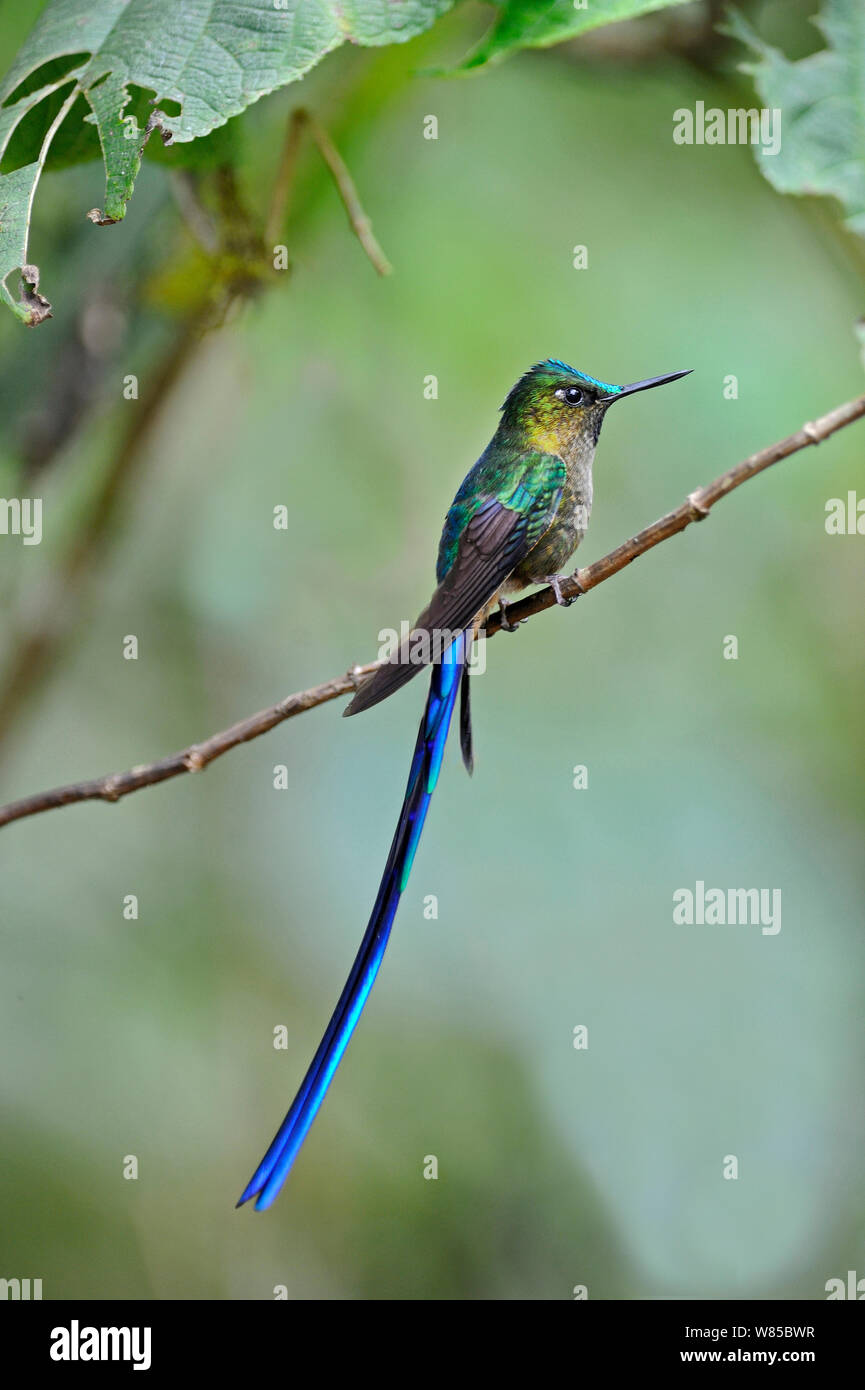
(696, 507)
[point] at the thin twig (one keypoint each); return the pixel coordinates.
(284, 181)
(302, 120)
(696, 507)
(193, 759)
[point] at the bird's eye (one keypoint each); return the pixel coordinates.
(573, 395)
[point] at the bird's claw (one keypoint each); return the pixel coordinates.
(555, 583)
(504, 621)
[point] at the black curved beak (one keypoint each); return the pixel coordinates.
(646, 385)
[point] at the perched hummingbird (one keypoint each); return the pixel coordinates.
(518, 517)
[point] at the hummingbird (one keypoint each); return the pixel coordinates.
(516, 520)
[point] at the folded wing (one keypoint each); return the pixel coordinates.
(497, 537)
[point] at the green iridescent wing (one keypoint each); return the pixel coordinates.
(487, 534)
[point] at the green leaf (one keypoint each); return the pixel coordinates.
(16, 193)
(203, 61)
(16, 201)
(822, 104)
(539, 23)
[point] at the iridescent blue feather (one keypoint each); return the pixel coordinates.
(553, 366)
(274, 1168)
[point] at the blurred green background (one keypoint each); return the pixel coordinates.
(154, 1037)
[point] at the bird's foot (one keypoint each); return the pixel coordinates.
(555, 582)
(504, 621)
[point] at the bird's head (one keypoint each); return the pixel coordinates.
(557, 409)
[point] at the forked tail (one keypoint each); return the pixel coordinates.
(274, 1168)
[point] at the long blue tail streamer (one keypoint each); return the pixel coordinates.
(274, 1168)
